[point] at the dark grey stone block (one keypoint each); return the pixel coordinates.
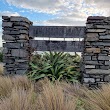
(10, 29)
(90, 66)
(5, 51)
(24, 66)
(18, 32)
(96, 30)
(96, 76)
(97, 71)
(21, 24)
(24, 32)
(96, 18)
(100, 43)
(14, 33)
(8, 37)
(9, 65)
(12, 45)
(107, 62)
(94, 58)
(6, 32)
(92, 62)
(19, 53)
(87, 58)
(103, 26)
(105, 37)
(21, 72)
(19, 19)
(101, 54)
(107, 78)
(89, 26)
(88, 80)
(8, 60)
(20, 28)
(103, 57)
(7, 24)
(97, 66)
(105, 67)
(5, 17)
(26, 37)
(102, 34)
(98, 79)
(21, 60)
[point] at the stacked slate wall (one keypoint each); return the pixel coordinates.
(96, 59)
(16, 53)
(96, 52)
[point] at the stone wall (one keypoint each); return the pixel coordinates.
(95, 57)
(16, 53)
(96, 51)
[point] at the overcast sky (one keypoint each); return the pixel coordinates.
(54, 12)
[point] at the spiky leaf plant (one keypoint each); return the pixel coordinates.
(55, 66)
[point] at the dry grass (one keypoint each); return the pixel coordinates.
(21, 82)
(19, 93)
(54, 97)
(1, 69)
(19, 100)
(97, 99)
(8, 83)
(6, 86)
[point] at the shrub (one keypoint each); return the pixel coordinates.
(55, 66)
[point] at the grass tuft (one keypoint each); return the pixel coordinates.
(97, 99)
(19, 100)
(54, 97)
(1, 69)
(19, 93)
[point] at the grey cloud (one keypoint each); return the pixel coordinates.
(64, 22)
(68, 20)
(76, 18)
(100, 3)
(47, 6)
(70, 12)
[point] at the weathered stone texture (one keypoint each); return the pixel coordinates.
(7, 24)
(16, 49)
(87, 80)
(97, 71)
(103, 57)
(97, 45)
(19, 53)
(107, 78)
(87, 57)
(96, 30)
(105, 37)
(89, 66)
(93, 50)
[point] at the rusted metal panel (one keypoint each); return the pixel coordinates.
(57, 31)
(63, 46)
